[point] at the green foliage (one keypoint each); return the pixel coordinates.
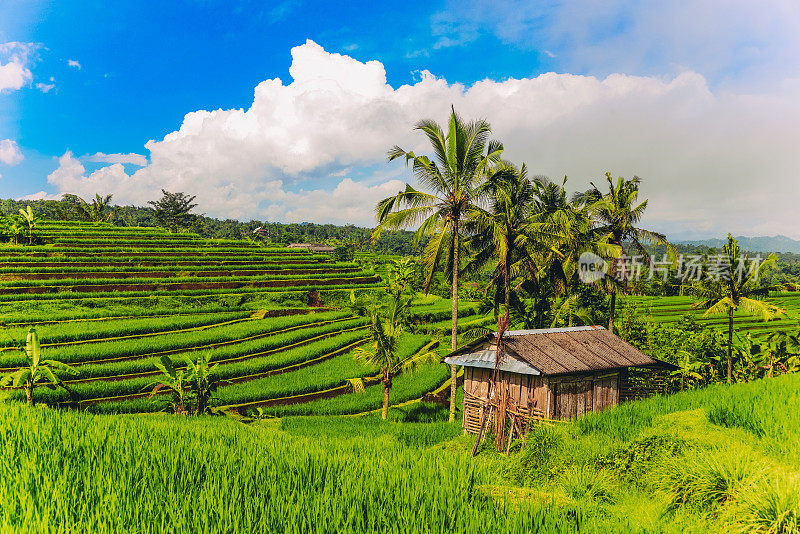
(706, 479)
(37, 371)
(771, 506)
(412, 435)
(149, 474)
(172, 210)
(633, 460)
(583, 483)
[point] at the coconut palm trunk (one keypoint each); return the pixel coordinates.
(730, 345)
(454, 323)
(387, 385)
(612, 310)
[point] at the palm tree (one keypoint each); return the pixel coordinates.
(560, 231)
(499, 232)
(31, 220)
(462, 158)
(732, 289)
(386, 327)
(37, 372)
(618, 217)
(203, 382)
(100, 209)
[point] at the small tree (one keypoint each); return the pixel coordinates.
(31, 221)
(386, 327)
(344, 252)
(172, 211)
(37, 372)
(203, 381)
(401, 275)
(176, 380)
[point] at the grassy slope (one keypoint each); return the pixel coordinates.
(722, 459)
(701, 461)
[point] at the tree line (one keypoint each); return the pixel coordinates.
(169, 212)
(483, 214)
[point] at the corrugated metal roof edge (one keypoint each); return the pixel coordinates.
(454, 360)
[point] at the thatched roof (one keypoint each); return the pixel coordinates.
(555, 351)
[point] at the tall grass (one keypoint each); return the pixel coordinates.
(415, 435)
(79, 472)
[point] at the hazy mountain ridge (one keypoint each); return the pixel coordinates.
(778, 243)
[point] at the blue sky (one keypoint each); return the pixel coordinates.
(107, 77)
(143, 65)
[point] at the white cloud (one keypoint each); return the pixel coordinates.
(10, 154)
(41, 195)
(74, 64)
(346, 203)
(14, 73)
(711, 161)
(134, 159)
(45, 87)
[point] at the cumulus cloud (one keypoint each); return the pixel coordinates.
(14, 72)
(74, 64)
(711, 161)
(134, 159)
(10, 154)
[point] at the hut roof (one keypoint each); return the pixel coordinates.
(555, 351)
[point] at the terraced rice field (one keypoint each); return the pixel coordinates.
(668, 310)
(111, 301)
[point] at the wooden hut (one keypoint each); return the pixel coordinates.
(555, 373)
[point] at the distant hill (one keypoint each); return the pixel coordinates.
(778, 243)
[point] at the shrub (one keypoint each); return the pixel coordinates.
(771, 507)
(707, 479)
(583, 483)
(538, 459)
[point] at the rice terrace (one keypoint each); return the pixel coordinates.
(503, 267)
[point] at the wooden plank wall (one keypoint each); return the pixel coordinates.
(561, 397)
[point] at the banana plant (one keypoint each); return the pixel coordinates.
(31, 220)
(690, 371)
(203, 381)
(401, 275)
(38, 372)
(778, 354)
(14, 226)
(176, 380)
